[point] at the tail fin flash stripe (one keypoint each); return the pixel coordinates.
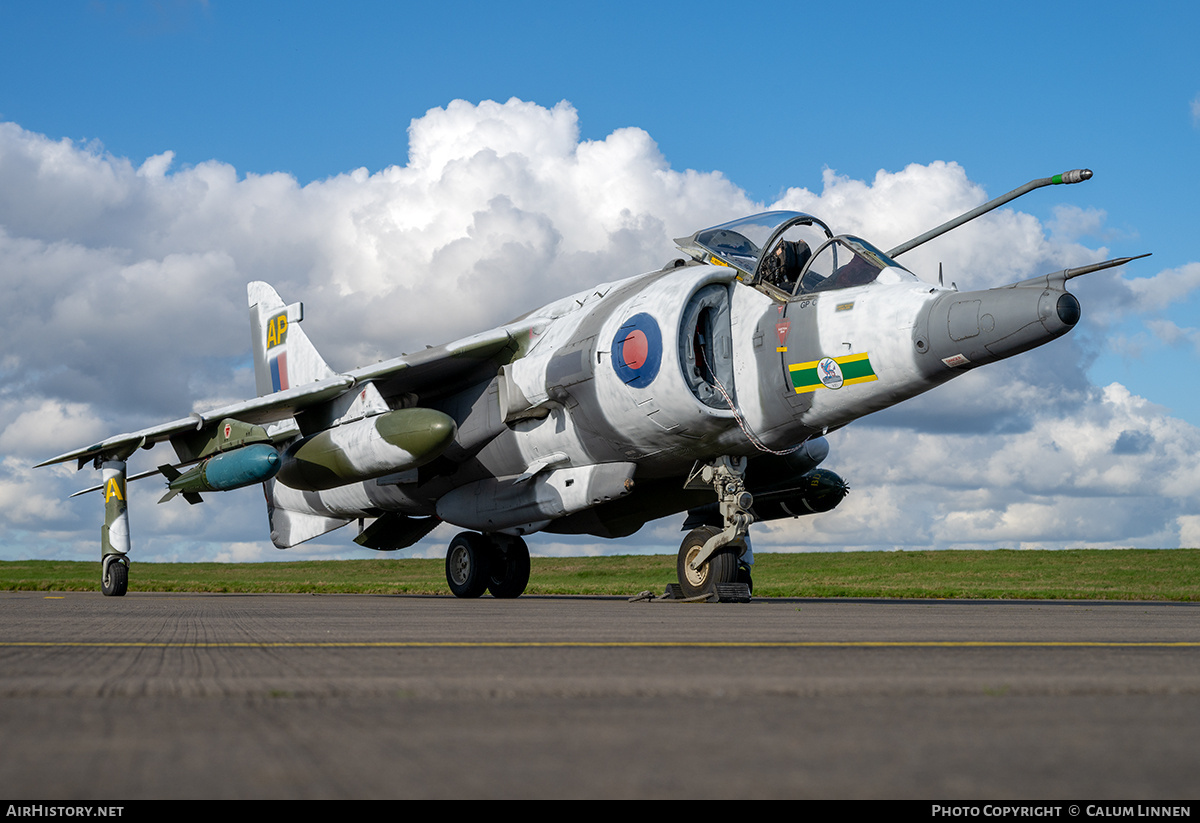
(279, 373)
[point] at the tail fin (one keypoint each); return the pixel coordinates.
(284, 357)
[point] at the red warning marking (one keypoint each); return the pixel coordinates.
(781, 329)
(635, 349)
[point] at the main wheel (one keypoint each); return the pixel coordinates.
(115, 581)
(721, 567)
(510, 569)
(469, 564)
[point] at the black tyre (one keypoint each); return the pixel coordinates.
(510, 568)
(743, 576)
(469, 564)
(116, 582)
(722, 567)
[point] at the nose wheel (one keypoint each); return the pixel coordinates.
(721, 566)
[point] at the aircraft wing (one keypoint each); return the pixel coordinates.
(433, 371)
(439, 369)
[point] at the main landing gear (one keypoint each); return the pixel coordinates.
(494, 562)
(721, 567)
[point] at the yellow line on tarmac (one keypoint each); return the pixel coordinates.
(620, 644)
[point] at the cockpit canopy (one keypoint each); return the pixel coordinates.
(739, 243)
(791, 252)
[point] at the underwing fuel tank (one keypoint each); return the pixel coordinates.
(224, 472)
(391, 442)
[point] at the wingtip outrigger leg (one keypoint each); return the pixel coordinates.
(114, 535)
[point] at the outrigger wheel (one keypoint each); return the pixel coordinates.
(497, 563)
(114, 576)
(722, 567)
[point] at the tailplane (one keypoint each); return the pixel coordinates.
(284, 357)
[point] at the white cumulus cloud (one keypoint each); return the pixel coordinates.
(125, 287)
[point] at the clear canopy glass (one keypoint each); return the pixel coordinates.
(843, 262)
(740, 243)
(793, 252)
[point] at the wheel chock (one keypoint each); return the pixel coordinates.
(725, 593)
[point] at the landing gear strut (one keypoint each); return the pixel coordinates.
(497, 563)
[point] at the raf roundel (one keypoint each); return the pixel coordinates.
(637, 351)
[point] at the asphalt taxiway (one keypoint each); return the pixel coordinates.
(345, 696)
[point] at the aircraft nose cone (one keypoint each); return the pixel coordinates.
(968, 329)
(1068, 309)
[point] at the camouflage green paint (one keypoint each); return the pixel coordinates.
(401, 440)
(114, 534)
(224, 436)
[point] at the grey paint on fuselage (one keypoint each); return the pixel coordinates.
(588, 414)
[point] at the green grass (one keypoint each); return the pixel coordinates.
(1126, 574)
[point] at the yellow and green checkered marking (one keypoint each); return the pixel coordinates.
(856, 368)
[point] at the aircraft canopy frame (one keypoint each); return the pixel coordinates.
(755, 246)
(741, 243)
(843, 262)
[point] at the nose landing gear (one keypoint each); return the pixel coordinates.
(710, 558)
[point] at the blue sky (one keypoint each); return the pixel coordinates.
(767, 97)
(770, 95)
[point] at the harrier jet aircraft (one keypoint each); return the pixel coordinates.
(705, 387)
